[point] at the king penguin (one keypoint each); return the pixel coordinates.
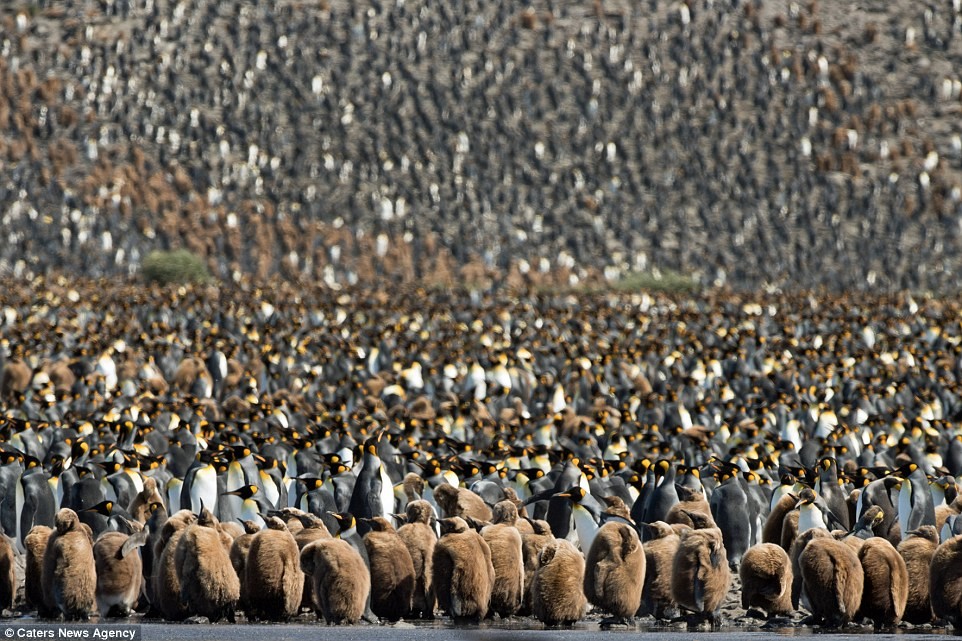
(373, 494)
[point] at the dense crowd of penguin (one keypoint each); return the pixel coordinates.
(197, 453)
(738, 141)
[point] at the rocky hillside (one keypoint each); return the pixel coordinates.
(789, 144)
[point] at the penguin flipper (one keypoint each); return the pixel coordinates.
(134, 541)
(698, 595)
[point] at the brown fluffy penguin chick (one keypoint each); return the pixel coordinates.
(917, 550)
(8, 575)
(524, 527)
(660, 550)
(339, 580)
(69, 573)
(885, 587)
(209, 586)
(832, 580)
(462, 502)
(689, 500)
(700, 575)
(420, 539)
(238, 559)
(166, 578)
(772, 530)
(789, 531)
(798, 546)
(556, 591)
(615, 571)
(392, 571)
(766, 576)
(273, 572)
(139, 508)
(504, 540)
(463, 571)
(312, 529)
(945, 581)
(35, 543)
(119, 572)
(531, 546)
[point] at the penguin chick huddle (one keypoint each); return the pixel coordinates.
(187, 453)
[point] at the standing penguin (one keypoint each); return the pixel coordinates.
(766, 577)
(885, 584)
(33, 585)
(167, 588)
(119, 572)
(532, 544)
(730, 508)
(504, 540)
(463, 571)
(69, 573)
(615, 572)
(700, 575)
(557, 597)
(420, 539)
(915, 506)
(238, 559)
(274, 579)
(208, 584)
(832, 580)
(945, 581)
(660, 549)
(392, 570)
(341, 583)
(917, 549)
(373, 494)
(8, 577)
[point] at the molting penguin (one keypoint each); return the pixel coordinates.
(69, 573)
(832, 580)
(463, 571)
(274, 571)
(885, 583)
(341, 582)
(392, 570)
(420, 539)
(615, 571)
(119, 572)
(917, 549)
(766, 577)
(556, 590)
(504, 541)
(209, 586)
(700, 575)
(531, 546)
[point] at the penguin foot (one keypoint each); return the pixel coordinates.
(756, 614)
(611, 622)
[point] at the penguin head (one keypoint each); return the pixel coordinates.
(345, 521)
(65, 521)
(453, 525)
(806, 497)
(310, 482)
(244, 491)
(576, 494)
(105, 508)
(250, 527)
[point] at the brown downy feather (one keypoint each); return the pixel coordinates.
(832, 580)
(419, 538)
(392, 571)
(463, 571)
(766, 577)
(700, 574)
(917, 550)
(556, 590)
(209, 586)
(885, 582)
(339, 579)
(660, 550)
(69, 574)
(119, 572)
(167, 588)
(945, 581)
(8, 577)
(772, 530)
(36, 543)
(531, 546)
(274, 567)
(615, 570)
(462, 502)
(506, 556)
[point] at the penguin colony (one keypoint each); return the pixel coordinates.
(609, 456)
(748, 142)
